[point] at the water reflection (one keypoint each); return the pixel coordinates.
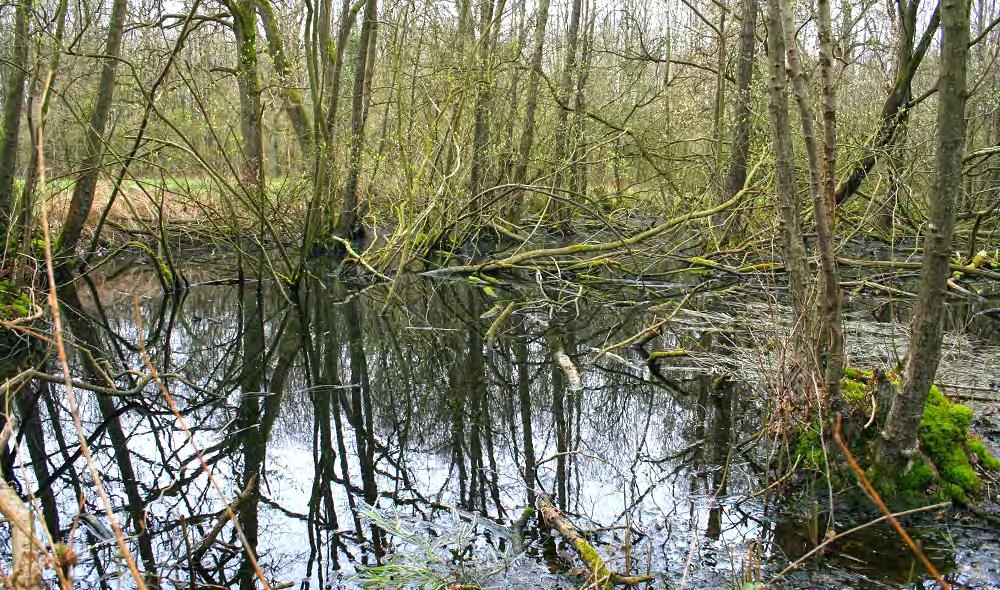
(310, 406)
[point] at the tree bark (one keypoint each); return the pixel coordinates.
(834, 338)
(828, 298)
(563, 128)
(290, 94)
(484, 95)
(789, 218)
(906, 411)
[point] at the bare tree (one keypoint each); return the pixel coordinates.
(907, 409)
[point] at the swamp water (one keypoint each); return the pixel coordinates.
(382, 438)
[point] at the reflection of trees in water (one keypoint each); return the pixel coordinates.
(406, 408)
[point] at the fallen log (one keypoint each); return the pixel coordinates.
(601, 576)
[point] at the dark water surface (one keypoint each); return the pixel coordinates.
(338, 408)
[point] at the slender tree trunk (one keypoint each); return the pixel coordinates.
(906, 411)
(13, 105)
(834, 338)
(828, 297)
(245, 27)
(42, 95)
(348, 226)
(789, 218)
(326, 105)
(580, 172)
(83, 191)
(484, 95)
(719, 107)
(291, 95)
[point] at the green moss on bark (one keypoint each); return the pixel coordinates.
(943, 435)
(14, 303)
(949, 462)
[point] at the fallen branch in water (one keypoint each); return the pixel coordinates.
(900, 264)
(602, 577)
(516, 259)
(573, 380)
(222, 521)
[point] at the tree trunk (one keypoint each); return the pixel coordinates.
(828, 298)
(41, 95)
(83, 191)
(563, 128)
(290, 94)
(484, 95)
(789, 218)
(719, 106)
(834, 337)
(13, 105)
(906, 411)
(348, 226)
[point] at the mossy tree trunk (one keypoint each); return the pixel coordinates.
(833, 339)
(293, 102)
(348, 223)
(489, 29)
(829, 336)
(563, 126)
(907, 408)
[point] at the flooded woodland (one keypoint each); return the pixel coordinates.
(490, 294)
(359, 438)
(369, 440)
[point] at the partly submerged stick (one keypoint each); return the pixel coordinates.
(602, 577)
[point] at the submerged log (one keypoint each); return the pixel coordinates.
(601, 576)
